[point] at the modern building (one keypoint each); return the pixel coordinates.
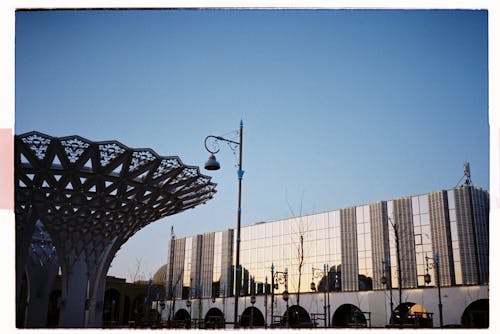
(365, 249)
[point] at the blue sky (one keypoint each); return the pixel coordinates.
(341, 107)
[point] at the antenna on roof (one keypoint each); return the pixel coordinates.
(468, 180)
(172, 234)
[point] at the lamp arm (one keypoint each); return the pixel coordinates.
(221, 139)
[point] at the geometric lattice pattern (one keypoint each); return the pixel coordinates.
(87, 193)
(41, 250)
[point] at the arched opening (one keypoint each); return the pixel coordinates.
(182, 314)
(182, 319)
(477, 314)
(252, 317)
(348, 315)
(411, 315)
(126, 310)
(53, 309)
(138, 308)
(111, 308)
(214, 318)
(299, 318)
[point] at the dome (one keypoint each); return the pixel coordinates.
(160, 277)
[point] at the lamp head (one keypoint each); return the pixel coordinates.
(285, 295)
(212, 163)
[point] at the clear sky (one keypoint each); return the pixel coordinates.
(340, 107)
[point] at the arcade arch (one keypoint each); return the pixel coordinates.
(476, 315)
(348, 315)
(299, 317)
(252, 317)
(411, 315)
(214, 318)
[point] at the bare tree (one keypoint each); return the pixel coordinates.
(302, 229)
(133, 276)
(300, 254)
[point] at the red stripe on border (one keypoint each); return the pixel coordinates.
(6, 169)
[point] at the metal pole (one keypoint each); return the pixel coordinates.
(265, 301)
(251, 317)
(288, 296)
(287, 315)
(389, 281)
(238, 228)
(399, 265)
(328, 291)
(436, 261)
(272, 294)
(200, 291)
(224, 302)
(324, 296)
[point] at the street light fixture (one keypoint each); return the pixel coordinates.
(285, 298)
(277, 278)
(318, 273)
(427, 279)
(213, 164)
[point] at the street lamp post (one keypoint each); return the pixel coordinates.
(223, 292)
(277, 278)
(327, 271)
(252, 301)
(188, 304)
(427, 279)
(318, 273)
(200, 306)
(265, 302)
(388, 281)
(285, 298)
(272, 295)
(213, 164)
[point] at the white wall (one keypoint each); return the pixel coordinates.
(454, 299)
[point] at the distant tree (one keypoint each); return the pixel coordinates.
(300, 255)
(302, 228)
(134, 275)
